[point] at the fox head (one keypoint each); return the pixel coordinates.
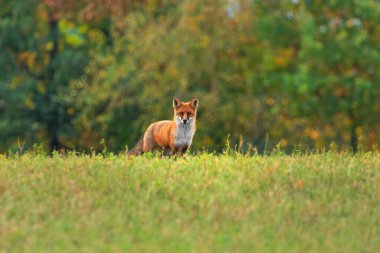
(185, 112)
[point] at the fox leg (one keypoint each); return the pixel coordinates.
(148, 143)
(184, 149)
(180, 151)
(167, 152)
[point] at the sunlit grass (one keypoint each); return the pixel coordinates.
(207, 203)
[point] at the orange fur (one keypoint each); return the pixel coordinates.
(171, 137)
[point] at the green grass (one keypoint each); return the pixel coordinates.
(303, 203)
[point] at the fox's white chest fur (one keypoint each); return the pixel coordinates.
(183, 135)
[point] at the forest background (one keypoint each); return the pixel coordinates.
(91, 74)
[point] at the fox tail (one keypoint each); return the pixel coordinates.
(138, 149)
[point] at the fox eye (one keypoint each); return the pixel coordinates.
(181, 114)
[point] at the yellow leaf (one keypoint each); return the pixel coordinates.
(41, 88)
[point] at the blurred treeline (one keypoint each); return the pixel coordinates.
(288, 73)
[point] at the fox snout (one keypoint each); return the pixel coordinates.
(184, 120)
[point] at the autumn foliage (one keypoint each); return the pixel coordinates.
(299, 74)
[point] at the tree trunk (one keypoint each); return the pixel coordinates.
(52, 122)
(354, 136)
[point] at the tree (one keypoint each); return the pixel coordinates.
(336, 79)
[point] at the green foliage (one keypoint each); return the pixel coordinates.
(93, 203)
(298, 73)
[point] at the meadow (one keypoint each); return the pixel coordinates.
(324, 202)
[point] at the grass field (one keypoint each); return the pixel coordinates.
(206, 203)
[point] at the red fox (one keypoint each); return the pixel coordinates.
(170, 136)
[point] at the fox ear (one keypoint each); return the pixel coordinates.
(194, 102)
(176, 102)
